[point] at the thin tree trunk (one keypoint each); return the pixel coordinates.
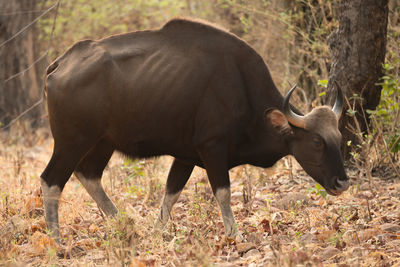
(358, 48)
(16, 56)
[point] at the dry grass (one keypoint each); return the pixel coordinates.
(284, 218)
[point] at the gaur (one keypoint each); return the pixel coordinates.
(190, 90)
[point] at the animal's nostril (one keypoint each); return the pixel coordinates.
(342, 184)
(340, 178)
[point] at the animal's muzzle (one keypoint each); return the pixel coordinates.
(341, 185)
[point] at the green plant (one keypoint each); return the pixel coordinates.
(386, 116)
(385, 119)
(381, 141)
(336, 240)
(134, 167)
(318, 190)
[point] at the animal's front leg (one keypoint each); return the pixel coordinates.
(215, 161)
(223, 196)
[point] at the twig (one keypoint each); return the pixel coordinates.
(22, 114)
(358, 133)
(387, 149)
(21, 12)
(30, 24)
(369, 211)
(390, 158)
(248, 193)
(28, 68)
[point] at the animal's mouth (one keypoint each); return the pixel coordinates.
(339, 188)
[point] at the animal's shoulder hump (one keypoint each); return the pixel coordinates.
(182, 24)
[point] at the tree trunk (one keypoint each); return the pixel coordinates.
(16, 56)
(358, 49)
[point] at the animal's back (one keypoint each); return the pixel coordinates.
(188, 40)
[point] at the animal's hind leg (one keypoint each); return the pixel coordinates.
(53, 180)
(178, 176)
(89, 172)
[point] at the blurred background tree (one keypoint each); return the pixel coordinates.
(358, 49)
(20, 76)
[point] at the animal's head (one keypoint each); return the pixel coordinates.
(314, 140)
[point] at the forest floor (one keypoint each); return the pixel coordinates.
(285, 218)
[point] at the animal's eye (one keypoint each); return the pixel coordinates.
(317, 142)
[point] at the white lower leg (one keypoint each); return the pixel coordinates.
(223, 196)
(51, 196)
(96, 191)
(166, 207)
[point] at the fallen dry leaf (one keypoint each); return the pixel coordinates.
(252, 253)
(39, 244)
(288, 224)
(93, 228)
(325, 235)
(390, 227)
(137, 263)
(244, 247)
(329, 252)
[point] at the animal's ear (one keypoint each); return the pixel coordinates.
(275, 119)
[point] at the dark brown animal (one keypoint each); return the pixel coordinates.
(189, 90)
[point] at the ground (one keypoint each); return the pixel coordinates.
(284, 217)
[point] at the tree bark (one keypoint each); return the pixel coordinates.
(16, 56)
(358, 49)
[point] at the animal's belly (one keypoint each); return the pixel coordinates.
(150, 148)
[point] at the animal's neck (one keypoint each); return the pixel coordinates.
(263, 151)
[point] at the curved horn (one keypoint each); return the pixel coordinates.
(338, 106)
(292, 117)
